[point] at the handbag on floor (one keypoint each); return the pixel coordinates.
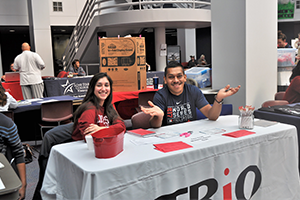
(28, 153)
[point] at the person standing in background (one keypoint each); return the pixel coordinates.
(30, 65)
(297, 46)
(76, 69)
(281, 41)
(12, 69)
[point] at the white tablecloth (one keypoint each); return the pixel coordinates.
(263, 165)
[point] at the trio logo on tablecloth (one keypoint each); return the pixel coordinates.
(77, 89)
(68, 87)
(212, 187)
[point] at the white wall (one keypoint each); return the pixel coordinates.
(160, 38)
(42, 34)
(190, 42)
(181, 43)
(13, 12)
(186, 38)
(261, 55)
(71, 12)
(244, 49)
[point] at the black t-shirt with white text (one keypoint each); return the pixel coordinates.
(181, 108)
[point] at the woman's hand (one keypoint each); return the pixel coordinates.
(93, 128)
(22, 191)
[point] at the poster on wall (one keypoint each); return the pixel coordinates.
(173, 53)
(286, 9)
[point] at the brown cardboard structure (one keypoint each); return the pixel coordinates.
(124, 60)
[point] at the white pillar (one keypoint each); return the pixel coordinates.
(186, 39)
(244, 50)
(42, 34)
(160, 38)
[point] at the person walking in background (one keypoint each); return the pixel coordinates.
(76, 69)
(30, 65)
(281, 41)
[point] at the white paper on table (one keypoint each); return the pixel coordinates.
(148, 140)
(264, 123)
(213, 131)
(33, 100)
(1, 185)
(24, 103)
(47, 101)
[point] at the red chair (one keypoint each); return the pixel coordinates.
(143, 99)
(274, 103)
(140, 120)
(279, 95)
(184, 64)
(55, 113)
(62, 74)
(47, 77)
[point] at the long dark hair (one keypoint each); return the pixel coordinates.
(3, 97)
(90, 98)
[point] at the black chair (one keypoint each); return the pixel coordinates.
(9, 114)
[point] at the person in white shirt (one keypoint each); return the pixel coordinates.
(11, 102)
(30, 65)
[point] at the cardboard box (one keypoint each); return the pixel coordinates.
(124, 60)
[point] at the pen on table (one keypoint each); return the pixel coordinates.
(186, 134)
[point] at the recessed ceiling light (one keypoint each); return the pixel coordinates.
(11, 30)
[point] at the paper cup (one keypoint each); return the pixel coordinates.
(89, 142)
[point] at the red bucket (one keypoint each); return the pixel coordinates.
(108, 142)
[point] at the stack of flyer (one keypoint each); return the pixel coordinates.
(141, 132)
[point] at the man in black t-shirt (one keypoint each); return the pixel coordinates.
(177, 102)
